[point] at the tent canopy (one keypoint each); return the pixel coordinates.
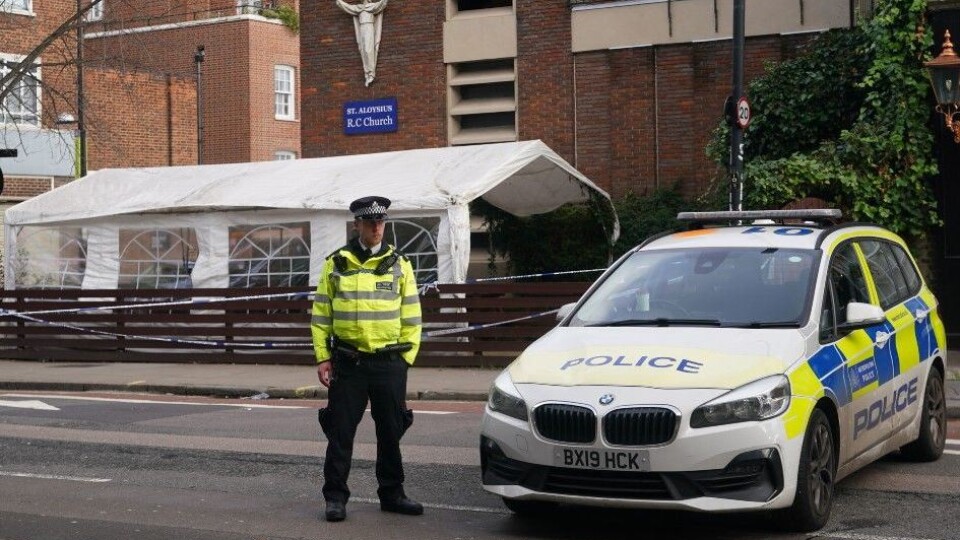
(218, 225)
(522, 178)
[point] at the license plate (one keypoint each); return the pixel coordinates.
(607, 460)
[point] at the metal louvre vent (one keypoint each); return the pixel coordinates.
(565, 423)
(639, 426)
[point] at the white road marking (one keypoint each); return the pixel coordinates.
(160, 402)
(54, 477)
(438, 506)
(953, 441)
(31, 404)
(952, 452)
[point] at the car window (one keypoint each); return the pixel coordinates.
(846, 276)
(889, 280)
(728, 286)
(907, 267)
(828, 320)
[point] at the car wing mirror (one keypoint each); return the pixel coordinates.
(862, 315)
(565, 310)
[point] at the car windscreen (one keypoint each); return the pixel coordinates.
(748, 287)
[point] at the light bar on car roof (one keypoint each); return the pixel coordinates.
(823, 215)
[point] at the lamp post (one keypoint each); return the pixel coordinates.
(945, 77)
(198, 58)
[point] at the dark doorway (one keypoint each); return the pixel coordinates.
(947, 186)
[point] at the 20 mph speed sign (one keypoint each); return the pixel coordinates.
(743, 113)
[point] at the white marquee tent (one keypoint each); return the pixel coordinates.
(272, 223)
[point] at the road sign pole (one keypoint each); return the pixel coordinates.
(736, 131)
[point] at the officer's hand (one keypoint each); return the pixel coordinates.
(324, 371)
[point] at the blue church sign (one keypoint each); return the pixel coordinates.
(375, 116)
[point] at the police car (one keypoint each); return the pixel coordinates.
(726, 368)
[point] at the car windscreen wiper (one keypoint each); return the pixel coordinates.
(760, 324)
(659, 321)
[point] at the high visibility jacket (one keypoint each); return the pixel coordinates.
(366, 309)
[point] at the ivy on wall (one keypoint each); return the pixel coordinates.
(847, 123)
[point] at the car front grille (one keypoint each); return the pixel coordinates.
(565, 423)
(639, 426)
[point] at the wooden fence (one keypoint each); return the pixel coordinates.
(248, 326)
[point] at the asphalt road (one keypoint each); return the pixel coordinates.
(73, 467)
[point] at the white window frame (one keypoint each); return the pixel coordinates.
(38, 75)
(284, 155)
(95, 13)
(8, 7)
(284, 102)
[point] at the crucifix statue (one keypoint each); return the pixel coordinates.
(367, 23)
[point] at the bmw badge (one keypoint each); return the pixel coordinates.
(606, 399)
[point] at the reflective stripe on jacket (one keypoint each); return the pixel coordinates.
(366, 310)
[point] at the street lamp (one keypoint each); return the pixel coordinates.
(945, 78)
(79, 146)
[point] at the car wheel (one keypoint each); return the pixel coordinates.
(528, 508)
(933, 422)
(816, 474)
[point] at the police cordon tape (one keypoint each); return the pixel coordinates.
(30, 316)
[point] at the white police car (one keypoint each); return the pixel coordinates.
(725, 368)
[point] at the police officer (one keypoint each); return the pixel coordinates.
(366, 332)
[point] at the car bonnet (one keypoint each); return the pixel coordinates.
(675, 357)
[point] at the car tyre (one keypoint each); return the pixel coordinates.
(524, 508)
(816, 475)
(933, 422)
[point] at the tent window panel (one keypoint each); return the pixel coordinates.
(417, 239)
(157, 258)
(50, 258)
(275, 255)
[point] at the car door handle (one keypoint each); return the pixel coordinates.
(921, 314)
(881, 338)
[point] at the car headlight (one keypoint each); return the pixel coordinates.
(759, 400)
(505, 399)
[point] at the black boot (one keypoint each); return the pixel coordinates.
(336, 511)
(401, 505)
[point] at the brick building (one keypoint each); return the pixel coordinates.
(249, 73)
(628, 91)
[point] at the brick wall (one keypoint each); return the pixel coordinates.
(410, 67)
(630, 119)
(237, 80)
(139, 119)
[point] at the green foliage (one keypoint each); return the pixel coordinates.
(875, 165)
(286, 14)
(802, 101)
(569, 238)
(574, 237)
(644, 216)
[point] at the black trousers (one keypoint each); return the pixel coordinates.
(384, 382)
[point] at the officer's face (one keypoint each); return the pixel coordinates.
(371, 231)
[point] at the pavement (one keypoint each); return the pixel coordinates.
(261, 381)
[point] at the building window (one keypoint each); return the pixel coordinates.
(50, 258)
(469, 5)
(283, 155)
(24, 6)
(283, 86)
(96, 12)
(22, 105)
(249, 7)
(270, 255)
(157, 258)
(483, 102)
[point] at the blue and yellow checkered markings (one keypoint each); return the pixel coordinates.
(863, 377)
(923, 330)
(828, 366)
(807, 390)
(885, 354)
